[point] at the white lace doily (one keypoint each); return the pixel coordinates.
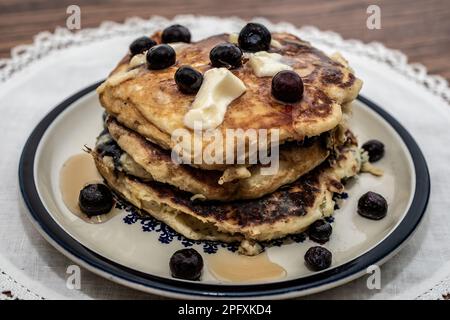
(31, 269)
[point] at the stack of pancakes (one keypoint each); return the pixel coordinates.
(231, 202)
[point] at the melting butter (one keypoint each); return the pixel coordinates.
(231, 267)
(265, 64)
(233, 38)
(276, 44)
(117, 79)
(220, 87)
(138, 59)
(120, 77)
(177, 46)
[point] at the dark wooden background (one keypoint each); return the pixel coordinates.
(421, 29)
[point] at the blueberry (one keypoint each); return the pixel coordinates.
(287, 86)
(103, 132)
(111, 149)
(160, 57)
(318, 258)
(95, 199)
(104, 116)
(188, 79)
(375, 149)
(186, 264)
(372, 206)
(176, 33)
(320, 231)
(226, 55)
(254, 37)
(141, 44)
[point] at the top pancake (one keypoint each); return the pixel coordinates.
(149, 102)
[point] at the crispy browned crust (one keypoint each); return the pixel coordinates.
(152, 105)
(288, 202)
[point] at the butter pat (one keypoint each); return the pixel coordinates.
(117, 79)
(177, 46)
(138, 60)
(120, 77)
(265, 64)
(219, 88)
(233, 38)
(276, 44)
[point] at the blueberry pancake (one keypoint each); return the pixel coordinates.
(149, 101)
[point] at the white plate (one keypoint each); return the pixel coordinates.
(136, 252)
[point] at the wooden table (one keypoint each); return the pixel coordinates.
(421, 29)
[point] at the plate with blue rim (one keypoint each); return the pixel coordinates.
(135, 251)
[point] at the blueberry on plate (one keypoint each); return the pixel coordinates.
(186, 264)
(176, 33)
(188, 79)
(226, 55)
(140, 45)
(95, 199)
(372, 206)
(160, 57)
(287, 86)
(254, 37)
(375, 149)
(320, 231)
(318, 258)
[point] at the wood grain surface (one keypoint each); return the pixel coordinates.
(421, 29)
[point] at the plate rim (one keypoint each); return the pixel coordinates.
(111, 270)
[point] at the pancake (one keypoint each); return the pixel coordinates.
(149, 102)
(289, 210)
(295, 159)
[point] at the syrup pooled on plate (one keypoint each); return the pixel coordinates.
(233, 267)
(78, 171)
